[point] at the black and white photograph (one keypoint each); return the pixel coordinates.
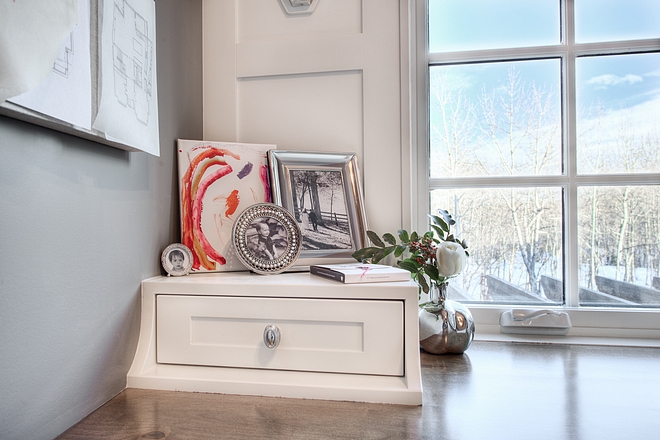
(320, 209)
(176, 260)
(323, 192)
(266, 238)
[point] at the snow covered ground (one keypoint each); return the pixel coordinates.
(328, 236)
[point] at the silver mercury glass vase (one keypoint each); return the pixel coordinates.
(445, 326)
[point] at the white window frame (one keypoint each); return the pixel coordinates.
(593, 324)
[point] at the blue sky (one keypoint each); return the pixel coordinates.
(627, 87)
(615, 81)
(599, 20)
(474, 81)
(620, 81)
(487, 24)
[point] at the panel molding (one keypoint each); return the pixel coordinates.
(382, 172)
(219, 71)
(300, 55)
(376, 52)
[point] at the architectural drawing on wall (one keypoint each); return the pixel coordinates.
(128, 98)
(115, 41)
(133, 59)
(64, 60)
(66, 94)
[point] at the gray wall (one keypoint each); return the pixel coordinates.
(81, 224)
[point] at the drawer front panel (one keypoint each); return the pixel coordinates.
(325, 335)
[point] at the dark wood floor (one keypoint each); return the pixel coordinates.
(494, 391)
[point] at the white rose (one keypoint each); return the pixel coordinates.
(451, 258)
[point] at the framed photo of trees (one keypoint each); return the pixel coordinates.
(323, 193)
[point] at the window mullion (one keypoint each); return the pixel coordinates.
(523, 53)
(616, 47)
(571, 239)
(421, 117)
(500, 182)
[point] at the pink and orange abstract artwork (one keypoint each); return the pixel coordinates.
(217, 182)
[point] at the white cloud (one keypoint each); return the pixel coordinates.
(614, 80)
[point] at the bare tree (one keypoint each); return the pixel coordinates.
(515, 130)
(453, 121)
(522, 126)
(331, 184)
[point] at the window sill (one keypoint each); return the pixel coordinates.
(619, 327)
(568, 340)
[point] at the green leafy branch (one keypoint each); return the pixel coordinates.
(418, 252)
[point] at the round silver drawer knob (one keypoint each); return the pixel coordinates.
(271, 336)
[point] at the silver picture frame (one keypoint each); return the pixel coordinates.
(266, 238)
(177, 260)
(326, 186)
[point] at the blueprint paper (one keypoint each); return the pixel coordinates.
(31, 32)
(128, 102)
(66, 93)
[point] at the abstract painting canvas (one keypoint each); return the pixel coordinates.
(217, 182)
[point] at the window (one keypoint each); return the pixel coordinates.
(543, 130)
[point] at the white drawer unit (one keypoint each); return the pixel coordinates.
(338, 336)
(288, 335)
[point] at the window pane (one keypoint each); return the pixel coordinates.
(619, 251)
(495, 119)
(616, 20)
(456, 25)
(514, 238)
(618, 107)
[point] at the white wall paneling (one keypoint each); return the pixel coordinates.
(285, 109)
(329, 81)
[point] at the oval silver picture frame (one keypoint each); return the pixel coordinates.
(177, 260)
(267, 238)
